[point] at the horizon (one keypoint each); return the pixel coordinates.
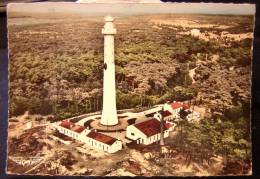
(133, 8)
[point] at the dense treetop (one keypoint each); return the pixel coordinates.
(49, 61)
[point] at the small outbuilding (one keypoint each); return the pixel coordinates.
(174, 109)
(147, 132)
(70, 129)
(103, 142)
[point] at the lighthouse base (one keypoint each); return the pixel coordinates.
(109, 118)
(121, 126)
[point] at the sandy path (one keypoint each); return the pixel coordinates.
(187, 23)
(19, 126)
(191, 74)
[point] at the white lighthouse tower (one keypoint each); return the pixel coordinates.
(109, 113)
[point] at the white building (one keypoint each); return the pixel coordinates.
(172, 110)
(147, 132)
(167, 115)
(195, 32)
(90, 137)
(103, 142)
(70, 129)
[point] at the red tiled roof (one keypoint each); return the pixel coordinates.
(150, 127)
(185, 106)
(166, 113)
(66, 124)
(101, 137)
(168, 125)
(176, 105)
(77, 128)
(69, 125)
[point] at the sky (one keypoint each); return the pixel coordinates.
(133, 8)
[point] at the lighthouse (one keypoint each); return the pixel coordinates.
(109, 113)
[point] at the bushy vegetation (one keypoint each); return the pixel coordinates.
(54, 71)
(226, 137)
